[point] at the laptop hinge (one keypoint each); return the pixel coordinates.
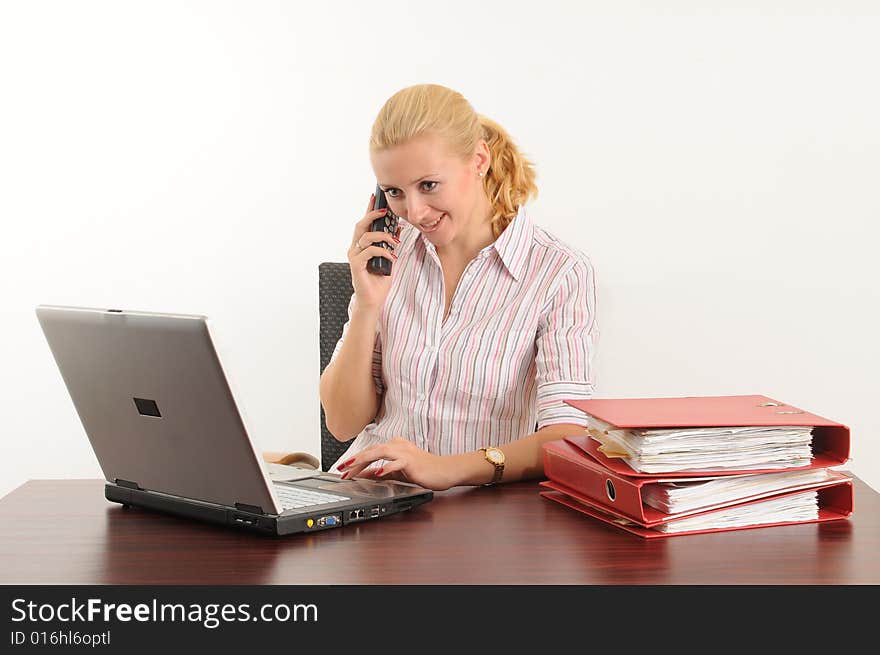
(126, 484)
(249, 508)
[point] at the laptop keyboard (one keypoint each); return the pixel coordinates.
(297, 497)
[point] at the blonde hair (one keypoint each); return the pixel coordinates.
(415, 110)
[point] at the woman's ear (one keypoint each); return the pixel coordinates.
(482, 157)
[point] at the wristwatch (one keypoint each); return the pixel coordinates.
(495, 456)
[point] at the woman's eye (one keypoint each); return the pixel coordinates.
(391, 192)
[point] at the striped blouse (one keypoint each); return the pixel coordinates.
(518, 339)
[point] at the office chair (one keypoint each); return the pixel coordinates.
(334, 294)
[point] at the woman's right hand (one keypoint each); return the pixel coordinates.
(371, 289)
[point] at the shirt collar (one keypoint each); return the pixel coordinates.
(512, 245)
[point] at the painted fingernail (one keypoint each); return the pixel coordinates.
(346, 463)
(396, 240)
(379, 472)
(345, 475)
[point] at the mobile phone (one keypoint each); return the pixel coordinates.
(387, 223)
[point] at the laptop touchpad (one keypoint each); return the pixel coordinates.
(373, 489)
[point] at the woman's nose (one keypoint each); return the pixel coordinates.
(416, 211)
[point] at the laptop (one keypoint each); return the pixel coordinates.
(162, 418)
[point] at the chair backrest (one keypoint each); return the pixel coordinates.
(334, 294)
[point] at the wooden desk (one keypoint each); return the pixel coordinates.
(65, 532)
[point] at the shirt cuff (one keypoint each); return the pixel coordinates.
(551, 408)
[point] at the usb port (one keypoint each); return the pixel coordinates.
(374, 512)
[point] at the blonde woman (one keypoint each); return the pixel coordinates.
(452, 370)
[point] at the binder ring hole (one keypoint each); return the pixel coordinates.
(770, 405)
(793, 411)
(609, 489)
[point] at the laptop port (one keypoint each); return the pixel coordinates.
(374, 512)
(331, 520)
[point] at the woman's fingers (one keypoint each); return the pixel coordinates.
(368, 472)
(361, 258)
(365, 458)
(363, 225)
(392, 468)
(383, 475)
(372, 238)
(358, 466)
(354, 469)
(395, 455)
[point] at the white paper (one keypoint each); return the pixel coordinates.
(667, 450)
(683, 496)
(798, 507)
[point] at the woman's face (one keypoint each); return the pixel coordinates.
(424, 184)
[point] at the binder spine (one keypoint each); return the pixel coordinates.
(601, 486)
(836, 501)
(833, 442)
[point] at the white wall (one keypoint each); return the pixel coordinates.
(719, 166)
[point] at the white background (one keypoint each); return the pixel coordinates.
(719, 166)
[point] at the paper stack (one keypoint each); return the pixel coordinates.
(662, 466)
(684, 449)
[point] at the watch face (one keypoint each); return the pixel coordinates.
(495, 456)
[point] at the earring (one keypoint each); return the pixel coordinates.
(481, 173)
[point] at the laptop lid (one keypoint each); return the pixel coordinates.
(156, 404)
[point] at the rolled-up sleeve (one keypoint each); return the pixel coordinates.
(567, 336)
(377, 351)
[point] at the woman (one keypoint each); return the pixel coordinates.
(487, 322)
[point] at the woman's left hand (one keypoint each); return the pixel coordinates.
(405, 461)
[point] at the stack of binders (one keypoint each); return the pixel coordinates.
(659, 467)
